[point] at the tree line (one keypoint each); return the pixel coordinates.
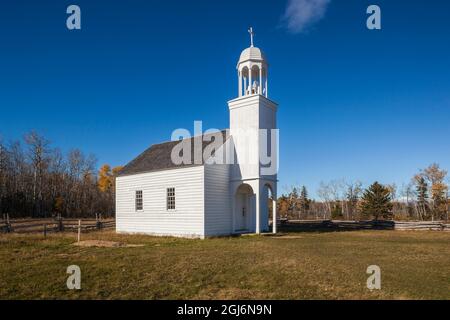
(37, 180)
(425, 197)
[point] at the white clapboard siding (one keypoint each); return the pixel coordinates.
(218, 219)
(187, 220)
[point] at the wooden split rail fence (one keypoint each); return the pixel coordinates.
(422, 225)
(317, 225)
(57, 224)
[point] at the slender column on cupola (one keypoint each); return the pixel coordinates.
(260, 81)
(250, 79)
(245, 85)
(240, 83)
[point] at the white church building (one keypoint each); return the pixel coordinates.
(228, 192)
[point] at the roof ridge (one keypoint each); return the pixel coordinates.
(191, 137)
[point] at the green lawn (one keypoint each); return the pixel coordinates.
(414, 265)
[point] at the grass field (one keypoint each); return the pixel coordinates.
(414, 265)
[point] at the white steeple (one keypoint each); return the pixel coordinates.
(253, 135)
(252, 70)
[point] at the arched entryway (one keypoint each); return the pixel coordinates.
(244, 208)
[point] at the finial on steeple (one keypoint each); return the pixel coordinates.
(250, 30)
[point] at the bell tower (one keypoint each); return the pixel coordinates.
(254, 134)
(252, 71)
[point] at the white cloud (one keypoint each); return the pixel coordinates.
(301, 14)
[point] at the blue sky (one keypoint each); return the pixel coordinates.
(353, 103)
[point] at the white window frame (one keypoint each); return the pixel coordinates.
(136, 198)
(171, 199)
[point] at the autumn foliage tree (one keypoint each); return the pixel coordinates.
(106, 184)
(105, 178)
(435, 177)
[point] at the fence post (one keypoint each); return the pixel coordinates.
(79, 230)
(98, 223)
(60, 223)
(8, 224)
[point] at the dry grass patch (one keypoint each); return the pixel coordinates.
(105, 244)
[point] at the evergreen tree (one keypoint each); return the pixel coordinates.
(304, 201)
(376, 202)
(422, 196)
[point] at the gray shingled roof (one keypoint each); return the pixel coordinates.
(158, 157)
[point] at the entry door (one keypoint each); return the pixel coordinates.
(242, 212)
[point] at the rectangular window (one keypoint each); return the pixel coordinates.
(139, 200)
(170, 198)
